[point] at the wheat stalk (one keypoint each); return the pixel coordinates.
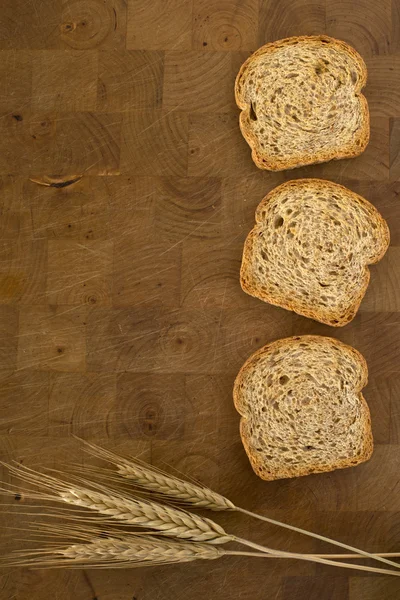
(172, 488)
(134, 550)
(145, 551)
(165, 520)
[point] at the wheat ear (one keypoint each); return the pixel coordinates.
(170, 521)
(151, 515)
(116, 552)
(161, 484)
(172, 488)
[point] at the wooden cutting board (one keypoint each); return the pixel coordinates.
(122, 319)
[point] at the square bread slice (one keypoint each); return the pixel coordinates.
(310, 248)
(301, 102)
(302, 408)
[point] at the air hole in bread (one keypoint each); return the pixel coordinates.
(309, 448)
(278, 222)
(283, 379)
(353, 76)
(253, 114)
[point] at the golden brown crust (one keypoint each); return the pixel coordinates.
(277, 300)
(272, 163)
(342, 464)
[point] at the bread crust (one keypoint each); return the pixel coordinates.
(272, 163)
(290, 472)
(327, 318)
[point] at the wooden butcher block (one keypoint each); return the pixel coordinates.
(126, 194)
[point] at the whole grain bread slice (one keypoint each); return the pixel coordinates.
(301, 102)
(302, 408)
(310, 248)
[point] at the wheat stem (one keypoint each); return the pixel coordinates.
(320, 537)
(334, 556)
(313, 558)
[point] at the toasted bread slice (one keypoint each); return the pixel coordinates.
(310, 249)
(301, 102)
(302, 408)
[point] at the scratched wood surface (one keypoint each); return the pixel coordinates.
(122, 319)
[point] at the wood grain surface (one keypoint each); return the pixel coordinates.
(122, 320)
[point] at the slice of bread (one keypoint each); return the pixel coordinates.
(301, 102)
(302, 408)
(310, 249)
